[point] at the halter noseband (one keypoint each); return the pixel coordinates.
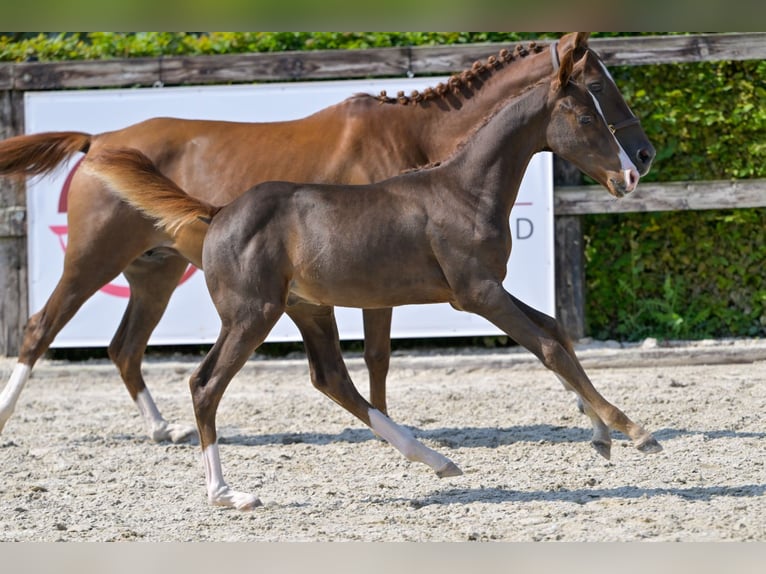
(631, 121)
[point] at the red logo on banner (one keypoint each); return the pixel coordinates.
(61, 232)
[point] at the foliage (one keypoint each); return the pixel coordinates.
(686, 275)
(100, 45)
(676, 275)
(706, 120)
(694, 274)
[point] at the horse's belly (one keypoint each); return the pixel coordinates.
(369, 290)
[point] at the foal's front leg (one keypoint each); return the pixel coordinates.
(602, 440)
(491, 301)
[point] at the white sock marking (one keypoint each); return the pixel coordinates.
(156, 425)
(405, 442)
(218, 492)
(211, 458)
(12, 390)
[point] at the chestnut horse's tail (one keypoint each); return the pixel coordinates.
(29, 155)
(135, 178)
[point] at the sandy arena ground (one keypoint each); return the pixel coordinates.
(76, 465)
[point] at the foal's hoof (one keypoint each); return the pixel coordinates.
(602, 448)
(649, 445)
(450, 469)
(234, 499)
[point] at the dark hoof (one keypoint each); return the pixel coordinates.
(649, 446)
(603, 448)
(450, 470)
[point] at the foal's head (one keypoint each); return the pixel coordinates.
(590, 70)
(579, 132)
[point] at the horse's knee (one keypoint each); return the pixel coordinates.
(377, 358)
(36, 338)
(328, 380)
(555, 356)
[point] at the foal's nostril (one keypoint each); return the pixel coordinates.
(645, 155)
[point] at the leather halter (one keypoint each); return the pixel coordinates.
(613, 127)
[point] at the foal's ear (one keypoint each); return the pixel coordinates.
(565, 70)
(575, 41)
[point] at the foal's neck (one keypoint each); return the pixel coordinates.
(491, 165)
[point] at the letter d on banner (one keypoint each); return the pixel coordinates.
(524, 228)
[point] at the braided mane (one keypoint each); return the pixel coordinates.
(459, 83)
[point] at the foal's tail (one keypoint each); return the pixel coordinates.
(135, 178)
(29, 155)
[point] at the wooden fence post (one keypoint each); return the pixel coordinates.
(569, 258)
(13, 237)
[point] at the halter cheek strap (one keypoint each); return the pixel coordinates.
(624, 124)
(554, 49)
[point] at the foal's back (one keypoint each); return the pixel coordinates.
(355, 246)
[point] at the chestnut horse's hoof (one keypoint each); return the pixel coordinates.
(176, 433)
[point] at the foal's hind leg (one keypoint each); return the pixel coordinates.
(495, 304)
(152, 279)
(207, 385)
(329, 375)
(238, 338)
(602, 440)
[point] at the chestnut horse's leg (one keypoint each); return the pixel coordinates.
(492, 302)
(152, 279)
(94, 256)
(329, 375)
(377, 353)
(74, 288)
(602, 440)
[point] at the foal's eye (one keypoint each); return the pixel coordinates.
(594, 87)
(584, 120)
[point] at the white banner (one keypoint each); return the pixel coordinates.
(191, 317)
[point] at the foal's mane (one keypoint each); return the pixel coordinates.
(462, 83)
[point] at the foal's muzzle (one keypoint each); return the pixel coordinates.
(625, 183)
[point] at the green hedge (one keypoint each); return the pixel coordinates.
(667, 275)
(694, 274)
(99, 45)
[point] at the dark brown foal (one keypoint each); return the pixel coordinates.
(439, 234)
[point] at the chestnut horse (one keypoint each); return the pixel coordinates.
(361, 140)
(438, 234)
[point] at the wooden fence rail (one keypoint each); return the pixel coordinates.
(347, 64)
(570, 203)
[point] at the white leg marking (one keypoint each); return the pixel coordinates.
(12, 390)
(218, 492)
(159, 429)
(412, 449)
